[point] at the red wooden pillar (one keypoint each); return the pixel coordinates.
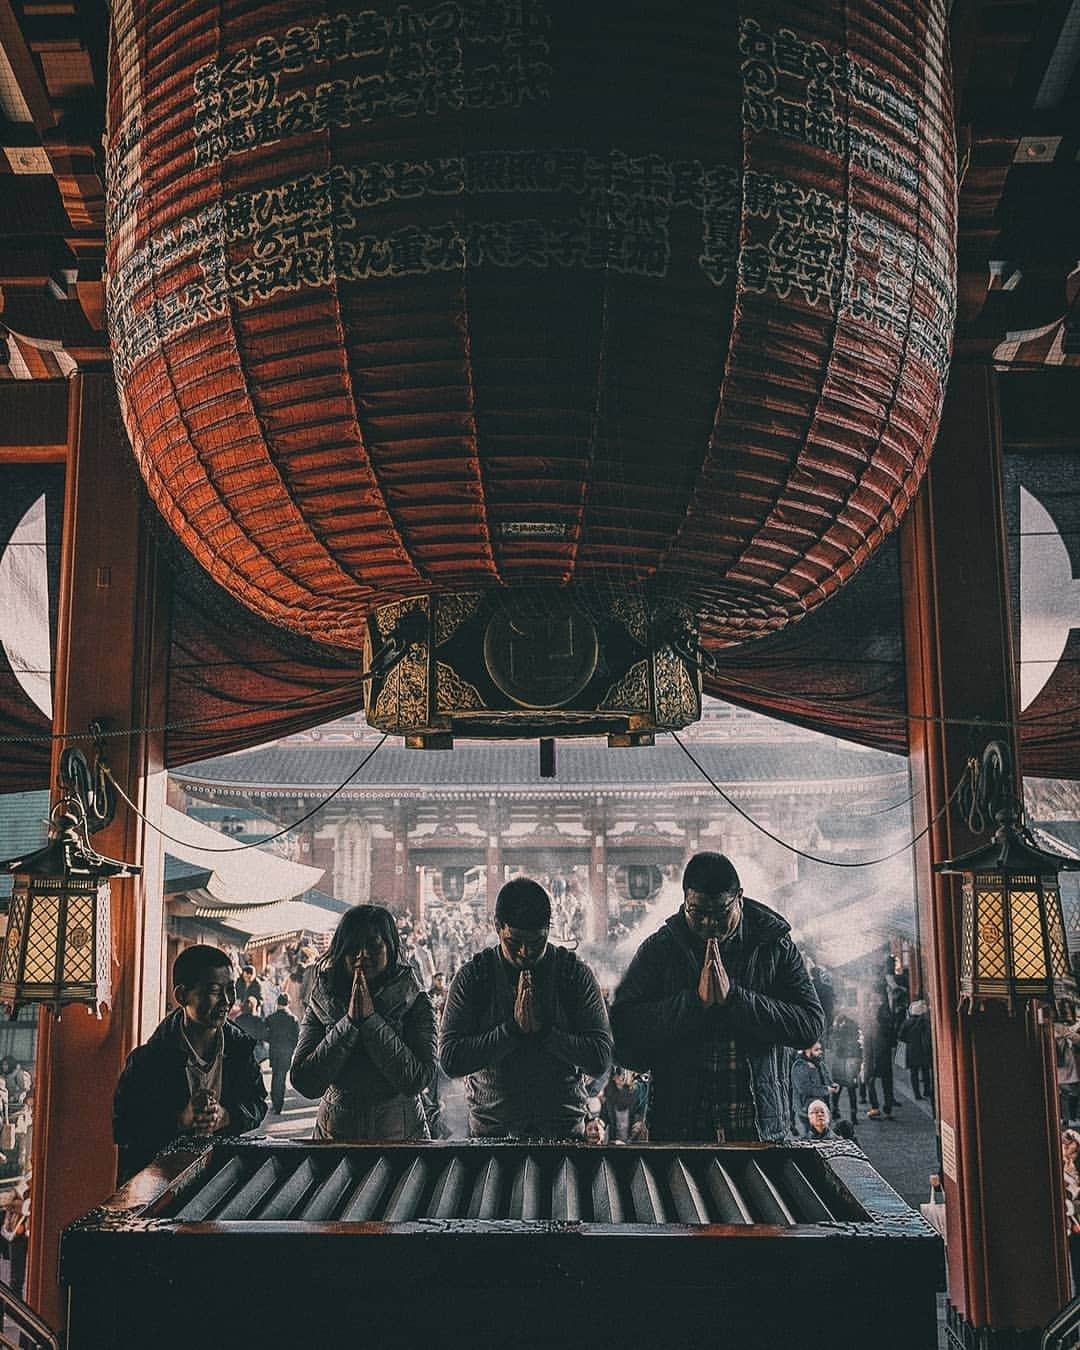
(997, 1096)
(421, 907)
(110, 666)
(402, 892)
(598, 876)
(494, 869)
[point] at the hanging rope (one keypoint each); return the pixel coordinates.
(393, 650)
(990, 796)
(810, 857)
(259, 843)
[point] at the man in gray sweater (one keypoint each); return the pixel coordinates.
(524, 1021)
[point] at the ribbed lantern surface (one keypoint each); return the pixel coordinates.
(481, 292)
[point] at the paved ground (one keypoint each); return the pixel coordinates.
(904, 1149)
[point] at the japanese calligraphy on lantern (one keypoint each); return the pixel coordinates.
(313, 230)
(858, 261)
(553, 240)
(414, 61)
(799, 90)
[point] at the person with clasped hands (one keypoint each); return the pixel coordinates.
(524, 1023)
(707, 1004)
(367, 1042)
(196, 1075)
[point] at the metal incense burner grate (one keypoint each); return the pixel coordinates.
(408, 1242)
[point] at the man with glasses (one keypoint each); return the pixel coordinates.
(707, 1004)
(524, 1023)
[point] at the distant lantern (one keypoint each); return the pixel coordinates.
(652, 306)
(1012, 934)
(57, 949)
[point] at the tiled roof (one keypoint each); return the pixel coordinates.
(23, 817)
(239, 877)
(286, 916)
(1057, 834)
(509, 764)
(184, 876)
(321, 900)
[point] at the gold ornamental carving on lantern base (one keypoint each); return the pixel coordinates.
(531, 662)
(631, 693)
(678, 693)
(453, 694)
(451, 611)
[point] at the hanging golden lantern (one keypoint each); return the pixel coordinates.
(58, 944)
(1012, 945)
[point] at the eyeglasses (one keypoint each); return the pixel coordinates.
(723, 907)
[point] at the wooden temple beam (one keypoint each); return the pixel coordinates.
(1007, 1258)
(30, 84)
(34, 427)
(110, 665)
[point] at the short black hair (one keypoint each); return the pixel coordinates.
(283, 1000)
(246, 967)
(194, 962)
(711, 874)
(523, 903)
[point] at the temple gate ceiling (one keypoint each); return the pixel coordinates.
(840, 669)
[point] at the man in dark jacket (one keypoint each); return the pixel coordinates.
(879, 1043)
(845, 1057)
(811, 1081)
(248, 986)
(282, 1033)
(524, 1022)
(707, 1003)
(915, 1033)
(196, 1074)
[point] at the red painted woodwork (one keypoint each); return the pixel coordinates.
(996, 1084)
(452, 295)
(110, 667)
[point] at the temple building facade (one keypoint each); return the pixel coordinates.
(422, 830)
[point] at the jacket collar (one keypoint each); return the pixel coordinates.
(169, 1035)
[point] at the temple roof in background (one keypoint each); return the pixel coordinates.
(287, 770)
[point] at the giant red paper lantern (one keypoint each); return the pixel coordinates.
(643, 297)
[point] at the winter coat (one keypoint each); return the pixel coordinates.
(252, 1025)
(879, 1041)
(282, 1031)
(845, 1050)
(369, 1074)
(518, 1085)
(660, 1023)
(915, 1033)
(810, 1082)
(153, 1091)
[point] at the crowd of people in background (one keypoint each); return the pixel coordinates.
(861, 1049)
(719, 1029)
(16, 1124)
(849, 1071)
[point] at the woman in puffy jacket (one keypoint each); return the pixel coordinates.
(367, 1043)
